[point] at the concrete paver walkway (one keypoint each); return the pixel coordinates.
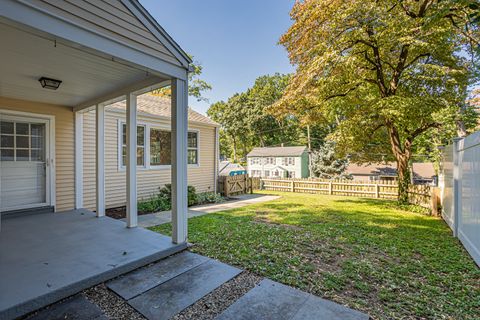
(155, 219)
(273, 300)
(167, 287)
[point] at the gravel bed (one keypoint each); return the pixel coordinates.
(220, 299)
(111, 304)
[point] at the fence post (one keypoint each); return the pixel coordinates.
(377, 191)
(456, 184)
(330, 188)
(225, 186)
(292, 186)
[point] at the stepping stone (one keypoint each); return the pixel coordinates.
(141, 280)
(268, 300)
(317, 308)
(76, 307)
(272, 300)
(171, 297)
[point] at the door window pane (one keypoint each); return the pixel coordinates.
(6, 154)
(22, 128)
(22, 141)
(6, 127)
(37, 142)
(37, 129)
(37, 155)
(6, 141)
(23, 155)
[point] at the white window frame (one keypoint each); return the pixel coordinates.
(148, 126)
(270, 160)
(197, 148)
(122, 167)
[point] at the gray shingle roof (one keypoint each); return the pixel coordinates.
(277, 152)
(149, 105)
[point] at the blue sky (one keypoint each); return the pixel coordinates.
(235, 41)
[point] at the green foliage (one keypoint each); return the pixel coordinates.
(162, 201)
(325, 164)
(386, 72)
(364, 253)
(155, 203)
(247, 120)
(209, 197)
(196, 86)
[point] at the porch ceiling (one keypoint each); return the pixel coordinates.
(26, 56)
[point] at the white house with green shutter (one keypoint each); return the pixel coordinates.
(278, 162)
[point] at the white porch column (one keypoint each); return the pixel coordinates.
(100, 155)
(179, 121)
(78, 160)
(131, 160)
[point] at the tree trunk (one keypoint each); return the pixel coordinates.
(402, 153)
(403, 179)
(234, 149)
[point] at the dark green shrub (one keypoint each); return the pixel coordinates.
(209, 197)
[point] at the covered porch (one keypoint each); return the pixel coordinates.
(50, 256)
(59, 61)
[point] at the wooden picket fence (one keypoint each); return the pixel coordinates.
(382, 189)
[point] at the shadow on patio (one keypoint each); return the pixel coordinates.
(51, 256)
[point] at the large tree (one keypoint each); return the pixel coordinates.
(247, 123)
(386, 72)
(196, 85)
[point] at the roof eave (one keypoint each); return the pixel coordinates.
(141, 13)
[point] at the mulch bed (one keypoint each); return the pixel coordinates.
(121, 212)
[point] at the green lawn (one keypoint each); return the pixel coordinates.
(364, 253)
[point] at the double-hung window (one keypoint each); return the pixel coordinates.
(155, 144)
(140, 145)
(160, 147)
(192, 148)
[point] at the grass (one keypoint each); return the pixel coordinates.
(363, 253)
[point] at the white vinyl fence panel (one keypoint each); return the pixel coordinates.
(446, 184)
(469, 200)
(461, 192)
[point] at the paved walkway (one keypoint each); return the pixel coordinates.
(155, 219)
(165, 288)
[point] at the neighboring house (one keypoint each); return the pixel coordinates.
(278, 162)
(230, 169)
(423, 173)
(153, 151)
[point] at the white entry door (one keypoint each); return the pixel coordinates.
(24, 163)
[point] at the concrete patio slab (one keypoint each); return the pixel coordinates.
(272, 300)
(51, 256)
(155, 219)
(74, 308)
(171, 297)
(134, 283)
